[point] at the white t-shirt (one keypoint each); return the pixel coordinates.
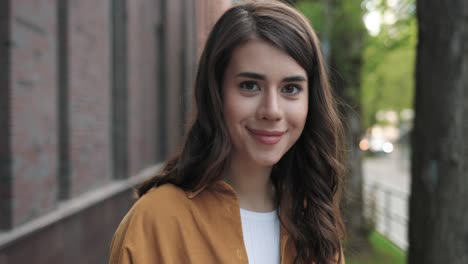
(261, 233)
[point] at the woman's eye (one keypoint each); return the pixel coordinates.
(249, 86)
(291, 89)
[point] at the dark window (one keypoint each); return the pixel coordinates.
(119, 88)
(5, 115)
(63, 103)
(161, 124)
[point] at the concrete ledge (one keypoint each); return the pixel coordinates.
(73, 206)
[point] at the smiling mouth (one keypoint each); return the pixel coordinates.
(266, 137)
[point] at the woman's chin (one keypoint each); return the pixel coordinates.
(266, 161)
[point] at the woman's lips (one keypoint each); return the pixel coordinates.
(266, 137)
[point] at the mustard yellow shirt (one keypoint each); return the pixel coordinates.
(168, 225)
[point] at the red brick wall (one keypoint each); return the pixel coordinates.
(89, 95)
(34, 91)
(155, 76)
(176, 19)
(174, 78)
(82, 238)
(142, 17)
(33, 109)
(207, 15)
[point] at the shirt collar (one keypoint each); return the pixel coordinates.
(224, 186)
(192, 194)
(218, 185)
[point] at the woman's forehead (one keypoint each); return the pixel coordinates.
(263, 57)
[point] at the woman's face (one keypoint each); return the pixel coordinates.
(265, 94)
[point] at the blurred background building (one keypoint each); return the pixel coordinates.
(93, 95)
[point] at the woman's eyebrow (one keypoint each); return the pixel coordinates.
(296, 78)
(258, 76)
(252, 75)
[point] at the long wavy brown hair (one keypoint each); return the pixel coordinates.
(309, 177)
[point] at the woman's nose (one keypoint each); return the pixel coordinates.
(270, 107)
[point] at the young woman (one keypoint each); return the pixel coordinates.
(259, 177)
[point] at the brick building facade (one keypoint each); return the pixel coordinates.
(93, 96)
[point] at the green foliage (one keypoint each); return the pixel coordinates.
(315, 12)
(346, 40)
(381, 251)
(371, 72)
(341, 30)
(388, 70)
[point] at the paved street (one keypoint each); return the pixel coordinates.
(386, 188)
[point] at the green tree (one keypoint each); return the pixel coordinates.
(346, 47)
(341, 30)
(388, 69)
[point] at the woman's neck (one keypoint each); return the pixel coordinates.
(252, 184)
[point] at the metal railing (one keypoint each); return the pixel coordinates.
(387, 209)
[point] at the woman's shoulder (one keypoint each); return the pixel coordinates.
(156, 209)
(153, 218)
(165, 191)
(165, 198)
